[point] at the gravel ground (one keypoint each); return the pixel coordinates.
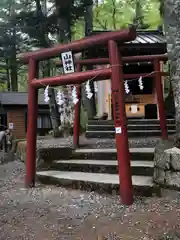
(50, 212)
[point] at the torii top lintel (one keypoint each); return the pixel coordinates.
(124, 35)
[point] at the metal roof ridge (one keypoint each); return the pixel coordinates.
(149, 32)
(13, 92)
(139, 31)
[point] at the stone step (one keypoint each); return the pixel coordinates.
(141, 168)
(95, 177)
(96, 181)
(130, 121)
(145, 154)
(131, 133)
(137, 127)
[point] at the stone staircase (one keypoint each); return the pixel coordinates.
(97, 169)
(136, 127)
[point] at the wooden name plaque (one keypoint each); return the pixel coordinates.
(135, 110)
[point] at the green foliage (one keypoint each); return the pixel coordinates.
(117, 14)
(151, 13)
(10, 42)
(25, 24)
(22, 79)
(78, 29)
(112, 15)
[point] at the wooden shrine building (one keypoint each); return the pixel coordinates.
(139, 103)
(13, 114)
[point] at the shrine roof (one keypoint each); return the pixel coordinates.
(149, 42)
(18, 98)
(144, 37)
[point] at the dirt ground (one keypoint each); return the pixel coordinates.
(50, 212)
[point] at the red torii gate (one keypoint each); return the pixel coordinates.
(115, 73)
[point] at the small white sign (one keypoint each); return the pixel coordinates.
(11, 126)
(67, 61)
(118, 130)
(134, 108)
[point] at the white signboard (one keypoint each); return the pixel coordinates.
(11, 126)
(118, 130)
(67, 61)
(134, 108)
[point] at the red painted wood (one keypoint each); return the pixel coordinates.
(120, 122)
(77, 113)
(79, 45)
(99, 75)
(32, 126)
(74, 78)
(99, 61)
(160, 100)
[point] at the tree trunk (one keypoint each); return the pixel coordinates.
(53, 108)
(13, 63)
(54, 113)
(172, 30)
(89, 104)
(64, 34)
(138, 20)
(8, 75)
(88, 18)
(63, 13)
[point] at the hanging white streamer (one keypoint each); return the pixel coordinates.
(46, 95)
(140, 81)
(74, 95)
(126, 86)
(88, 90)
(60, 98)
(95, 87)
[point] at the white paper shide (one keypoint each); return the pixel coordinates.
(74, 96)
(140, 81)
(126, 86)
(46, 94)
(95, 87)
(89, 94)
(60, 98)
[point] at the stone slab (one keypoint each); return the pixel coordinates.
(159, 176)
(149, 164)
(173, 154)
(113, 179)
(114, 150)
(173, 179)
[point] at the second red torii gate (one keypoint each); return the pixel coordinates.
(157, 74)
(115, 73)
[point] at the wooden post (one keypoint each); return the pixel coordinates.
(32, 126)
(77, 114)
(120, 122)
(160, 99)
